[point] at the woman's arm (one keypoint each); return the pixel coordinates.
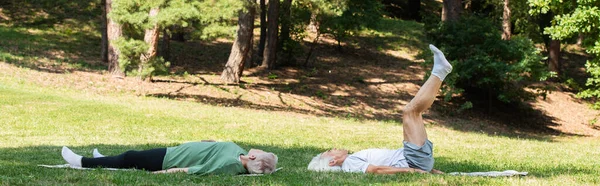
(391, 170)
(172, 170)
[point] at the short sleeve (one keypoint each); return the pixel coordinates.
(355, 164)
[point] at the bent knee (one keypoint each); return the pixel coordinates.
(410, 111)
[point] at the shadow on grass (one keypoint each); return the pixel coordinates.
(48, 13)
(50, 50)
(18, 166)
(51, 36)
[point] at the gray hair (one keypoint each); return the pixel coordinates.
(265, 163)
(321, 164)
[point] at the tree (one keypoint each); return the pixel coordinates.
(263, 28)
(114, 32)
(166, 45)
(242, 46)
(553, 9)
(144, 20)
(151, 38)
(284, 36)
(451, 10)
(270, 53)
(103, 32)
(506, 22)
(584, 19)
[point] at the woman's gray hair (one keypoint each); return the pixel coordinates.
(265, 163)
(321, 164)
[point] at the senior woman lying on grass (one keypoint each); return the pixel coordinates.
(201, 158)
(417, 154)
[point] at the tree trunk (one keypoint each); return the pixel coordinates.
(103, 31)
(166, 45)
(284, 36)
(580, 39)
(313, 26)
(114, 32)
(310, 51)
(506, 27)
(151, 38)
(240, 51)
(270, 53)
(451, 10)
(554, 63)
(263, 28)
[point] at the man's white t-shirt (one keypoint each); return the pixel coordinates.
(359, 161)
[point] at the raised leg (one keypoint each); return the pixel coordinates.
(414, 128)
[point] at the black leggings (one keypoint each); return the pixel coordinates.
(150, 160)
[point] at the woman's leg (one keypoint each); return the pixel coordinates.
(150, 160)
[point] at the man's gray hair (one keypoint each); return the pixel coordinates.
(321, 164)
(265, 163)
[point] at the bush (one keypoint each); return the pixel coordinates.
(129, 61)
(484, 64)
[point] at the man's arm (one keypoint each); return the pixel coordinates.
(391, 170)
(171, 170)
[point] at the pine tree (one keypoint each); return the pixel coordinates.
(148, 17)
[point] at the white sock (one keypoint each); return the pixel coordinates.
(72, 158)
(441, 66)
(97, 154)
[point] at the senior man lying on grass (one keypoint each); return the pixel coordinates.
(417, 154)
(201, 158)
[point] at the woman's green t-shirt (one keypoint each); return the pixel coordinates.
(206, 158)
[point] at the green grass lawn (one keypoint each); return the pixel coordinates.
(36, 121)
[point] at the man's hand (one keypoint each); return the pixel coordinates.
(435, 171)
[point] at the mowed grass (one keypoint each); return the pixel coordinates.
(37, 121)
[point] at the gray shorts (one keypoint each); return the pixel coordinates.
(420, 157)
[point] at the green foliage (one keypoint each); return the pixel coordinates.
(215, 16)
(272, 76)
(484, 64)
(341, 18)
(217, 19)
(299, 19)
(130, 62)
(584, 19)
